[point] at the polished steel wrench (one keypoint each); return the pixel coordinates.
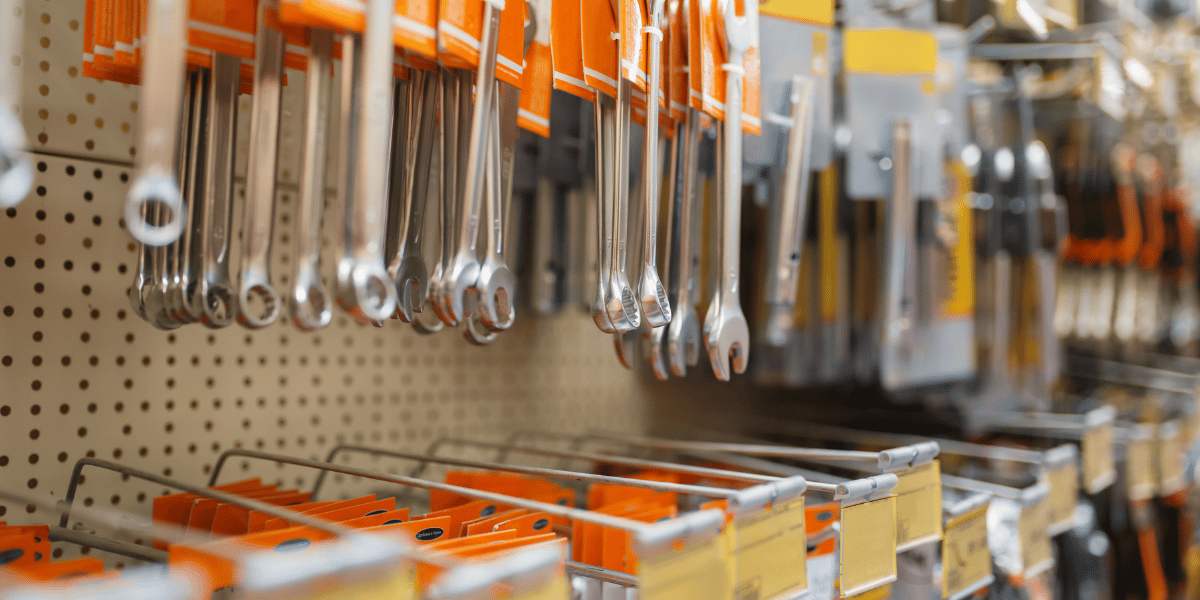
(683, 334)
(408, 267)
(656, 307)
(215, 295)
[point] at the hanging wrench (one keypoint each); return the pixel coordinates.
(655, 341)
(165, 312)
(656, 308)
(602, 113)
(369, 294)
(792, 217)
(161, 98)
(683, 334)
(476, 330)
(447, 187)
(619, 300)
(187, 255)
(899, 302)
(259, 210)
(496, 284)
(728, 340)
(16, 170)
(463, 269)
(408, 268)
(309, 301)
(215, 294)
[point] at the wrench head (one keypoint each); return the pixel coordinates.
(427, 322)
(370, 296)
(457, 284)
(218, 305)
(728, 342)
(654, 348)
(656, 308)
(257, 286)
(496, 287)
(600, 312)
(154, 188)
(621, 305)
(739, 32)
(778, 326)
(16, 171)
(710, 315)
(683, 340)
(135, 296)
(624, 343)
(310, 306)
(412, 287)
(474, 332)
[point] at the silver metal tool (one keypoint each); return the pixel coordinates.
(368, 294)
(899, 289)
(791, 217)
(160, 100)
(656, 307)
(310, 302)
(215, 295)
(496, 286)
(408, 267)
(188, 255)
(728, 340)
(164, 257)
(605, 133)
(259, 214)
(448, 101)
(462, 272)
(619, 300)
(683, 334)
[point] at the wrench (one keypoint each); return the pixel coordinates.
(215, 295)
(496, 284)
(447, 133)
(619, 300)
(368, 293)
(165, 309)
(16, 170)
(190, 255)
(161, 99)
(475, 330)
(259, 210)
(309, 302)
(656, 308)
(655, 341)
(683, 334)
(462, 271)
(408, 268)
(728, 339)
(603, 114)
(899, 305)
(792, 217)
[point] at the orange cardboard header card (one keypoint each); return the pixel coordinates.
(566, 49)
(534, 113)
(632, 42)
(391, 517)
(50, 571)
(466, 512)
(422, 531)
(216, 570)
(486, 524)
(600, 58)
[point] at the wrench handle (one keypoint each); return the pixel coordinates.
(793, 200)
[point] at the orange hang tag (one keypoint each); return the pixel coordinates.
(213, 563)
(467, 512)
(752, 90)
(490, 548)
(104, 34)
(534, 113)
(486, 524)
(712, 56)
(225, 26)
(424, 531)
(618, 544)
(510, 46)
(391, 517)
(599, 46)
(123, 48)
(50, 571)
(415, 26)
(633, 42)
(346, 513)
(173, 509)
(460, 27)
(531, 524)
(695, 51)
(566, 49)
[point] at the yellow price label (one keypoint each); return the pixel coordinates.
(397, 584)
(554, 589)
(696, 571)
(1036, 554)
(889, 51)
(1064, 496)
(1139, 467)
(819, 12)
(966, 559)
(868, 545)
(1099, 469)
(771, 553)
(918, 505)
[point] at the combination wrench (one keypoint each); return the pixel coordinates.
(447, 135)
(408, 268)
(309, 302)
(369, 295)
(462, 272)
(656, 308)
(683, 334)
(259, 210)
(605, 132)
(620, 301)
(160, 102)
(728, 340)
(496, 284)
(189, 258)
(215, 295)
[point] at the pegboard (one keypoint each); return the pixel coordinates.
(85, 376)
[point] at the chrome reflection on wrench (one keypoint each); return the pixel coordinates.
(728, 340)
(619, 299)
(166, 310)
(447, 137)
(788, 231)
(683, 334)
(215, 294)
(496, 285)
(656, 308)
(310, 304)
(605, 132)
(462, 271)
(259, 211)
(408, 267)
(160, 100)
(369, 294)
(189, 258)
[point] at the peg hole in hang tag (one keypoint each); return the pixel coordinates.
(293, 546)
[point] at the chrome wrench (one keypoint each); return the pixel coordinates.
(683, 334)
(215, 294)
(792, 217)
(369, 294)
(496, 285)
(259, 210)
(189, 260)
(619, 299)
(728, 340)
(605, 132)
(408, 268)
(656, 308)
(462, 271)
(448, 187)
(163, 71)
(655, 340)
(309, 302)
